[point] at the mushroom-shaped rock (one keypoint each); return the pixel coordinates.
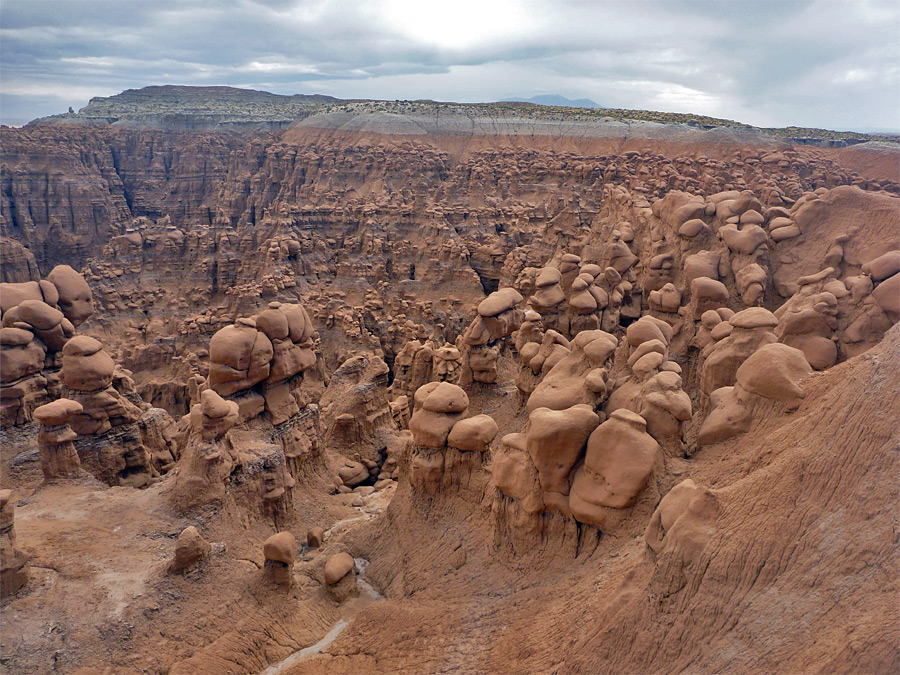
(583, 302)
(337, 567)
(214, 416)
(59, 458)
(190, 549)
(548, 276)
(57, 412)
(648, 328)
(278, 550)
(441, 408)
(446, 398)
(617, 466)
(473, 434)
(280, 547)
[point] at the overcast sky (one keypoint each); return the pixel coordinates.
(820, 63)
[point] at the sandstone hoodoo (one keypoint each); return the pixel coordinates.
(325, 386)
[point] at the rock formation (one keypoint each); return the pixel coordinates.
(14, 563)
(190, 550)
(279, 553)
(59, 459)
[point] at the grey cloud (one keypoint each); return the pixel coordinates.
(804, 62)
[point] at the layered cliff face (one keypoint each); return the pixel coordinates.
(68, 190)
(615, 389)
(361, 226)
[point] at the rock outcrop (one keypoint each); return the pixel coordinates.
(14, 562)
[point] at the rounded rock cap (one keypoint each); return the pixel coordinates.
(15, 337)
(280, 548)
(625, 415)
(499, 302)
(39, 314)
(446, 398)
(547, 277)
(424, 392)
(82, 345)
(57, 412)
(213, 405)
(473, 433)
(754, 317)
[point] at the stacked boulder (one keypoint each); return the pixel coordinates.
(442, 454)
(110, 442)
(59, 458)
(654, 388)
(259, 362)
(255, 379)
(586, 296)
(38, 317)
(829, 318)
(549, 300)
(217, 459)
(771, 375)
(568, 459)
(22, 385)
(741, 336)
(498, 317)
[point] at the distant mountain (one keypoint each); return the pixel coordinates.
(557, 101)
